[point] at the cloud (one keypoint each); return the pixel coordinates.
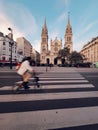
(56, 28)
(62, 3)
(36, 45)
(54, 34)
(80, 38)
(5, 22)
(62, 17)
(88, 27)
(19, 18)
(77, 46)
(67, 2)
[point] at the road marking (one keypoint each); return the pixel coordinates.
(55, 86)
(47, 96)
(58, 78)
(65, 81)
(69, 86)
(50, 119)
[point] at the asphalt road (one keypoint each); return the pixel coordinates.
(58, 100)
(9, 78)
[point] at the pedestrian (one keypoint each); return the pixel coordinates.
(25, 71)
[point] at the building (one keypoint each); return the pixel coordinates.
(68, 36)
(90, 51)
(6, 48)
(50, 56)
(24, 47)
(35, 56)
(20, 49)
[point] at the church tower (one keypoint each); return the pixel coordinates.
(44, 43)
(68, 36)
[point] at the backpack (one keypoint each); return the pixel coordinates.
(18, 66)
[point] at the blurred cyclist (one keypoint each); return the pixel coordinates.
(25, 71)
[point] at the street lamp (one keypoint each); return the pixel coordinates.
(11, 44)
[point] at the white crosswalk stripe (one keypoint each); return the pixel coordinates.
(54, 106)
(49, 96)
(50, 119)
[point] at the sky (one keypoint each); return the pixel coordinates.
(26, 18)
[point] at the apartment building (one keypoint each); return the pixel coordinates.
(6, 48)
(24, 46)
(90, 51)
(35, 56)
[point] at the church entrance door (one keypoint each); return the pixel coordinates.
(48, 61)
(55, 61)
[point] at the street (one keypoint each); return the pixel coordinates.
(68, 99)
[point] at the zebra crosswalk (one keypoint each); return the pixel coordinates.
(65, 101)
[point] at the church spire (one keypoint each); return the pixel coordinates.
(44, 29)
(45, 26)
(68, 24)
(68, 28)
(44, 40)
(68, 35)
(68, 18)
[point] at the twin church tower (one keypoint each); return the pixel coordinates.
(49, 56)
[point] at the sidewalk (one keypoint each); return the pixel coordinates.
(36, 68)
(7, 68)
(52, 69)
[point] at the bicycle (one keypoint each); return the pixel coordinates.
(18, 86)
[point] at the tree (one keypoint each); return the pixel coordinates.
(63, 54)
(76, 57)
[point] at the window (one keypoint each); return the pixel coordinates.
(68, 39)
(3, 43)
(43, 57)
(43, 49)
(44, 39)
(55, 49)
(56, 44)
(3, 58)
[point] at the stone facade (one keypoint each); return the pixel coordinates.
(5, 49)
(50, 56)
(90, 51)
(24, 46)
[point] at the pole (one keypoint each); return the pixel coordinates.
(11, 66)
(11, 44)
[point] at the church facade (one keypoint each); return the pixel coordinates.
(49, 56)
